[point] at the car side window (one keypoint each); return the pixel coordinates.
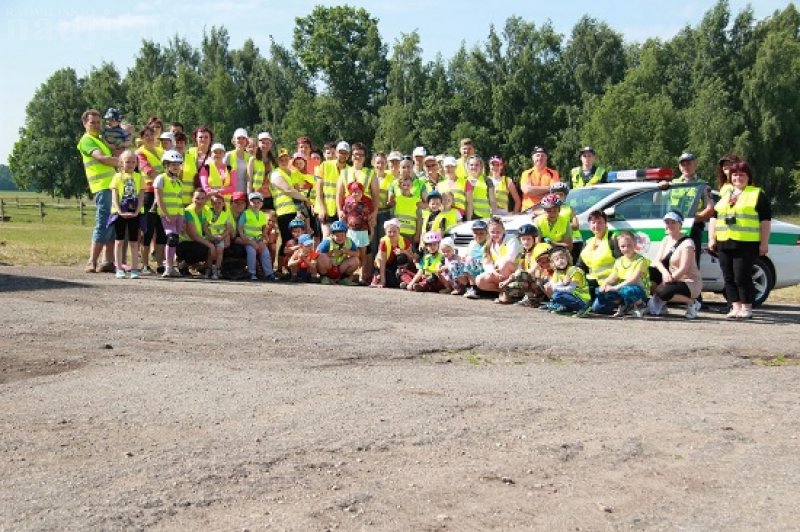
(653, 204)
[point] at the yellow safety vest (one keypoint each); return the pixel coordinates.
(233, 160)
(567, 212)
(98, 174)
(154, 161)
(189, 173)
(385, 185)
(216, 179)
(197, 220)
(347, 244)
(577, 177)
(480, 199)
(638, 262)
(431, 264)
(746, 227)
(577, 276)
(171, 195)
(254, 223)
(405, 210)
(443, 220)
(299, 178)
(501, 194)
(555, 232)
(216, 226)
(461, 168)
(365, 178)
(259, 170)
(457, 189)
(330, 178)
(284, 203)
(599, 260)
(681, 199)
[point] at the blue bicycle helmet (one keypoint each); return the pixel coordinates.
(528, 229)
(297, 222)
(338, 227)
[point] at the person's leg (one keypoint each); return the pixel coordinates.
(731, 290)
(696, 234)
(743, 274)
(568, 301)
(119, 243)
(266, 261)
(102, 234)
(133, 239)
(251, 259)
(606, 303)
(632, 294)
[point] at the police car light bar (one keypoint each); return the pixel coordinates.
(641, 174)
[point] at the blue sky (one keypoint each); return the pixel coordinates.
(40, 37)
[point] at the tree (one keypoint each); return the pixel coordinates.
(102, 89)
(45, 158)
(6, 179)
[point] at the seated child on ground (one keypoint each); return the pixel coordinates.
(394, 257)
(303, 262)
(567, 289)
(628, 284)
(520, 284)
(427, 278)
(453, 267)
(473, 259)
(338, 256)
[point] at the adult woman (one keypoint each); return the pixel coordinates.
(194, 159)
(194, 247)
(739, 233)
(599, 253)
(675, 274)
(724, 170)
(504, 188)
(499, 258)
(285, 196)
(148, 156)
(238, 158)
(453, 184)
(479, 191)
(260, 167)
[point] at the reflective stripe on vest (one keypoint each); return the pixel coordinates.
(217, 227)
(480, 199)
(233, 160)
(347, 244)
(568, 212)
(385, 184)
(364, 176)
(577, 177)
(747, 226)
(283, 202)
(259, 170)
(97, 174)
(254, 223)
(501, 194)
(432, 263)
(457, 189)
(405, 210)
(189, 171)
(154, 161)
(556, 231)
(330, 178)
(216, 179)
(197, 220)
(599, 259)
(682, 198)
(171, 195)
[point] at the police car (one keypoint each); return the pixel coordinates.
(634, 202)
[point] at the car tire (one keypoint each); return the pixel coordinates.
(763, 280)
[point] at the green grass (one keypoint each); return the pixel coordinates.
(22, 207)
(37, 244)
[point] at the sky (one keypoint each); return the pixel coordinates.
(41, 37)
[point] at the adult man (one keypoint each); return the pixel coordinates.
(535, 182)
(329, 171)
(588, 173)
(467, 150)
(682, 198)
(100, 166)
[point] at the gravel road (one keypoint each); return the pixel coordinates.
(192, 405)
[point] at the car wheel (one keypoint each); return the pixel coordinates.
(763, 280)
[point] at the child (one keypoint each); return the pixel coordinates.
(473, 259)
(219, 228)
(358, 214)
(431, 219)
(561, 189)
(567, 289)
(521, 284)
(297, 228)
(338, 256)
(629, 281)
(114, 134)
(427, 277)
(272, 232)
(453, 267)
(167, 188)
(405, 204)
(394, 257)
(450, 214)
(127, 200)
(303, 262)
(253, 231)
(553, 229)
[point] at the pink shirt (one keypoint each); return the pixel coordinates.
(224, 171)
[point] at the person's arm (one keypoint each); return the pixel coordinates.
(108, 160)
(139, 200)
(115, 196)
(204, 172)
(340, 195)
(512, 189)
(232, 179)
(279, 182)
(685, 258)
(492, 200)
(634, 278)
(162, 207)
(144, 165)
(712, 233)
(666, 276)
(708, 210)
(191, 231)
(526, 185)
(251, 170)
(352, 251)
(764, 229)
(468, 194)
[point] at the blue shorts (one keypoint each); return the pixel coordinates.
(359, 238)
(102, 233)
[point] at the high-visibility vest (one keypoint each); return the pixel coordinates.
(577, 177)
(217, 179)
(155, 163)
(461, 168)
(197, 220)
(136, 177)
(746, 227)
(457, 188)
(97, 174)
(576, 276)
(405, 210)
(567, 212)
(171, 195)
(598, 255)
(431, 263)
(555, 231)
(233, 160)
(189, 173)
(259, 171)
(218, 222)
(347, 244)
(254, 222)
(501, 194)
(625, 271)
(682, 198)
(330, 178)
(481, 208)
(385, 185)
(283, 202)
(305, 181)
(363, 176)
(443, 220)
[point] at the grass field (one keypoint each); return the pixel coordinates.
(57, 210)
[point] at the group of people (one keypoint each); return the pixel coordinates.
(328, 216)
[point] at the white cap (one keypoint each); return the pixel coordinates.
(167, 135)
(448, 242)
(264, 135)
(217, 146)
(343, 146)
(240, 132)
(420, 151)
(395, 156)
(449, 161)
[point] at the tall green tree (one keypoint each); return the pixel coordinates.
(102, 88)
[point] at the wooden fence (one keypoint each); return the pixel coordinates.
(33, 208)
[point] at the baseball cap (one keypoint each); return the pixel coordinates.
(430, 159)
(112, 114)
(343, 146)
(395, 155)
(449, 161)
(167, 135)
(217, 146)
(419, 151)
(585, 149)
(283, 152)
(240, 132)
(539, 149)
(675, 216)
(686, 156)
(479, 224)
(264, 135)
(255, 196)
(298, 155)
(239, 196)
(495, 158)
(433, 194)
(448, 242)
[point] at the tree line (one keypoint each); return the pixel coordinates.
(728, 83)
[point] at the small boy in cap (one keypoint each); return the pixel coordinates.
(357, 211)
(303, 262)
(114, 134)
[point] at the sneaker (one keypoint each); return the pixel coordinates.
(621, 311)
(691, 310)
(636, 310)
(91, 267)
(175, 272)
(546, 307)
(583, 312)
(272, 278)
(253, 277)
(108, 267)
(471, 293)
(457, 292)
(135, 274)
(215, 275)
(327, 280)
(161, 269)
(444, 291)
(345, 281)
(403, 286)
(525, 302)
(656, 307)
(120, 274)
(745, 314)
(733, 314)
(147, 271)
(558, 309)
(167, 272)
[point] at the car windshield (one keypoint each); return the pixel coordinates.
(582, 199)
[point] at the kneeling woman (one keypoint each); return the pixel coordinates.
(674, 273)
(499, 258)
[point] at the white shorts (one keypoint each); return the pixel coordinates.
(359, 238)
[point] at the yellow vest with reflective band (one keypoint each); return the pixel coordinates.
(301, 179)
(347, 244)
(525, 259)
(189, 171)
(681, 199)
(155, 161)
(501, 194)
(747, 226)
(555, 232)
(500, 253)
(431, 264)
(217, 180)
(171, 195)
(568, 212)
(259, 170)
(385, 184)
(330, 178)
(254, 223)
(233, 160)
(137, 185)
(284, 203)
(443, 220)
(405, 210)
(625, 268)
(217, 227)
(461, 168)
(577, 177)
(364, 177)
(457, 189)
(480, 199)
(98, 174)
(599, 260)
(575, 275)
(197, 220)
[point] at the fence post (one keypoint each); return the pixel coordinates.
(17, 198)
(41, 211)
(80, 208)
(2, 211)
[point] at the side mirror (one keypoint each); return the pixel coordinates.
(611, 212)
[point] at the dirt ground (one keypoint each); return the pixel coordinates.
(191, 405)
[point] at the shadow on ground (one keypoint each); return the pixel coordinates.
(20, 283)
